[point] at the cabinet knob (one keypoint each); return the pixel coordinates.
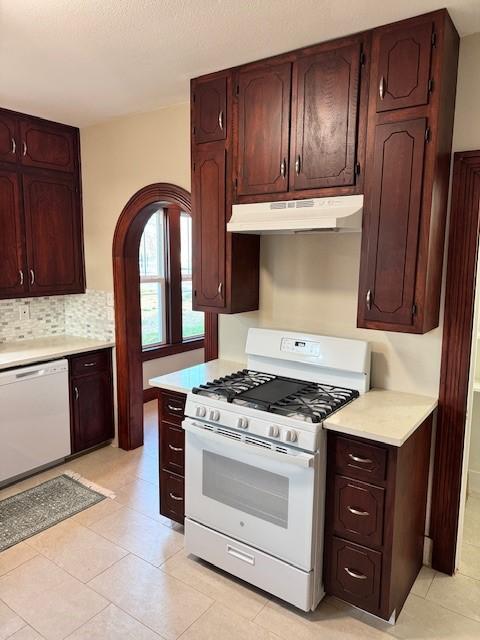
(24, 148)
(75, 391)
(220, 289)
(220, 120)
(14, 146)
(32, 276)
(381, 88)
(369, 299)
(20, 273)
(298, 165)
(283, 168)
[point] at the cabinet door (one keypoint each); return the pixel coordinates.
(393, 198)
(403, 67)
(8, 138)
(92, 410)
(209, 110)
(324, 128)
(12, 269)
(209, 227)
(54, 234)
(263, 129)
(47, 145)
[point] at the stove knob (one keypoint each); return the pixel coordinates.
(273, 431)
(290, 436)
(242, 423)
(201, 412)
(214, 415)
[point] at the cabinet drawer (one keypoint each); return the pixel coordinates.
(90, 362)
(172, 407)
(172, 448)
(355, 574)
(360, 460)
(172, 503)
(359, 511)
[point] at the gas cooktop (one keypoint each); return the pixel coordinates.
(308, 401)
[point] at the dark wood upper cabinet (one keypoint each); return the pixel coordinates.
(395, 197)
(409, 139)
(209, 115)
(12, 267)
(403, 75)
(53, 230)
(9, 145)
(49, 146)
(209, 177)
(324, 124)
(41, 244)
(263, 129)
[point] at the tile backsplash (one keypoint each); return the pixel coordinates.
(89, 315)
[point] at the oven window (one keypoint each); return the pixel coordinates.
(246, 488)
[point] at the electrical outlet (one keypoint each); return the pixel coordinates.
(24, 312)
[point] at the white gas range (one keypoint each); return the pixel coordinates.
(255, 459)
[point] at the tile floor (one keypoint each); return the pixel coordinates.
(118, 571)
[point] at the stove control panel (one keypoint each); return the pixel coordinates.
(304, 347)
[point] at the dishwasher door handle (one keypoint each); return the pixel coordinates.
(30, 374)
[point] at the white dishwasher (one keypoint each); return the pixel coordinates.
(34, 418)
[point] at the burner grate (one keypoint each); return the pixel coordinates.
(234, 384)
(314, 403)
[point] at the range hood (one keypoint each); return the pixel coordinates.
(315, 215)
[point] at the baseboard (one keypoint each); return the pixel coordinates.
(149, 394)
(473, 482)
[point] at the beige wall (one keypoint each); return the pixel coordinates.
(310, 283)
(118, 158)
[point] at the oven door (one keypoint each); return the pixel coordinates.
(238, 485)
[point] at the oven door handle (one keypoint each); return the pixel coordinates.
(299, 459)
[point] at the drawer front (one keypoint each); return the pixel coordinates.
(90, 363)
(359, 509)
(172, 407)
(172, 448)
(360, 460)
(172, 496)
(355, 574)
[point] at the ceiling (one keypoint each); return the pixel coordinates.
(85, 61)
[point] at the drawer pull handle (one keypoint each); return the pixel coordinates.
(174, 497)
(357, 512)
(170, 407)
(89, 364)
(360, 460)
(240, 555)
(355, 574)
(172, 448)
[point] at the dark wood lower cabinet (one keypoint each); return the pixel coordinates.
(375, 519)
(171, 407)
(91, 399)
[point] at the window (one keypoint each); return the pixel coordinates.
(165, 260)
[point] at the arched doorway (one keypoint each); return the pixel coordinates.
(126, 243)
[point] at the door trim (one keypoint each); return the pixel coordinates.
(129, 362)
(455, 365)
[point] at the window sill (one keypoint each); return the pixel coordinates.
(151, 353)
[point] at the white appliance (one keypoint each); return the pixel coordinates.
(342, 213)
(34, 418)
(255, 459)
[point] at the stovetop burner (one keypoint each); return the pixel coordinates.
(307, 401)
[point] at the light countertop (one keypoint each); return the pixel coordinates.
(381, 415)
(184, 380)
(24, 352)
